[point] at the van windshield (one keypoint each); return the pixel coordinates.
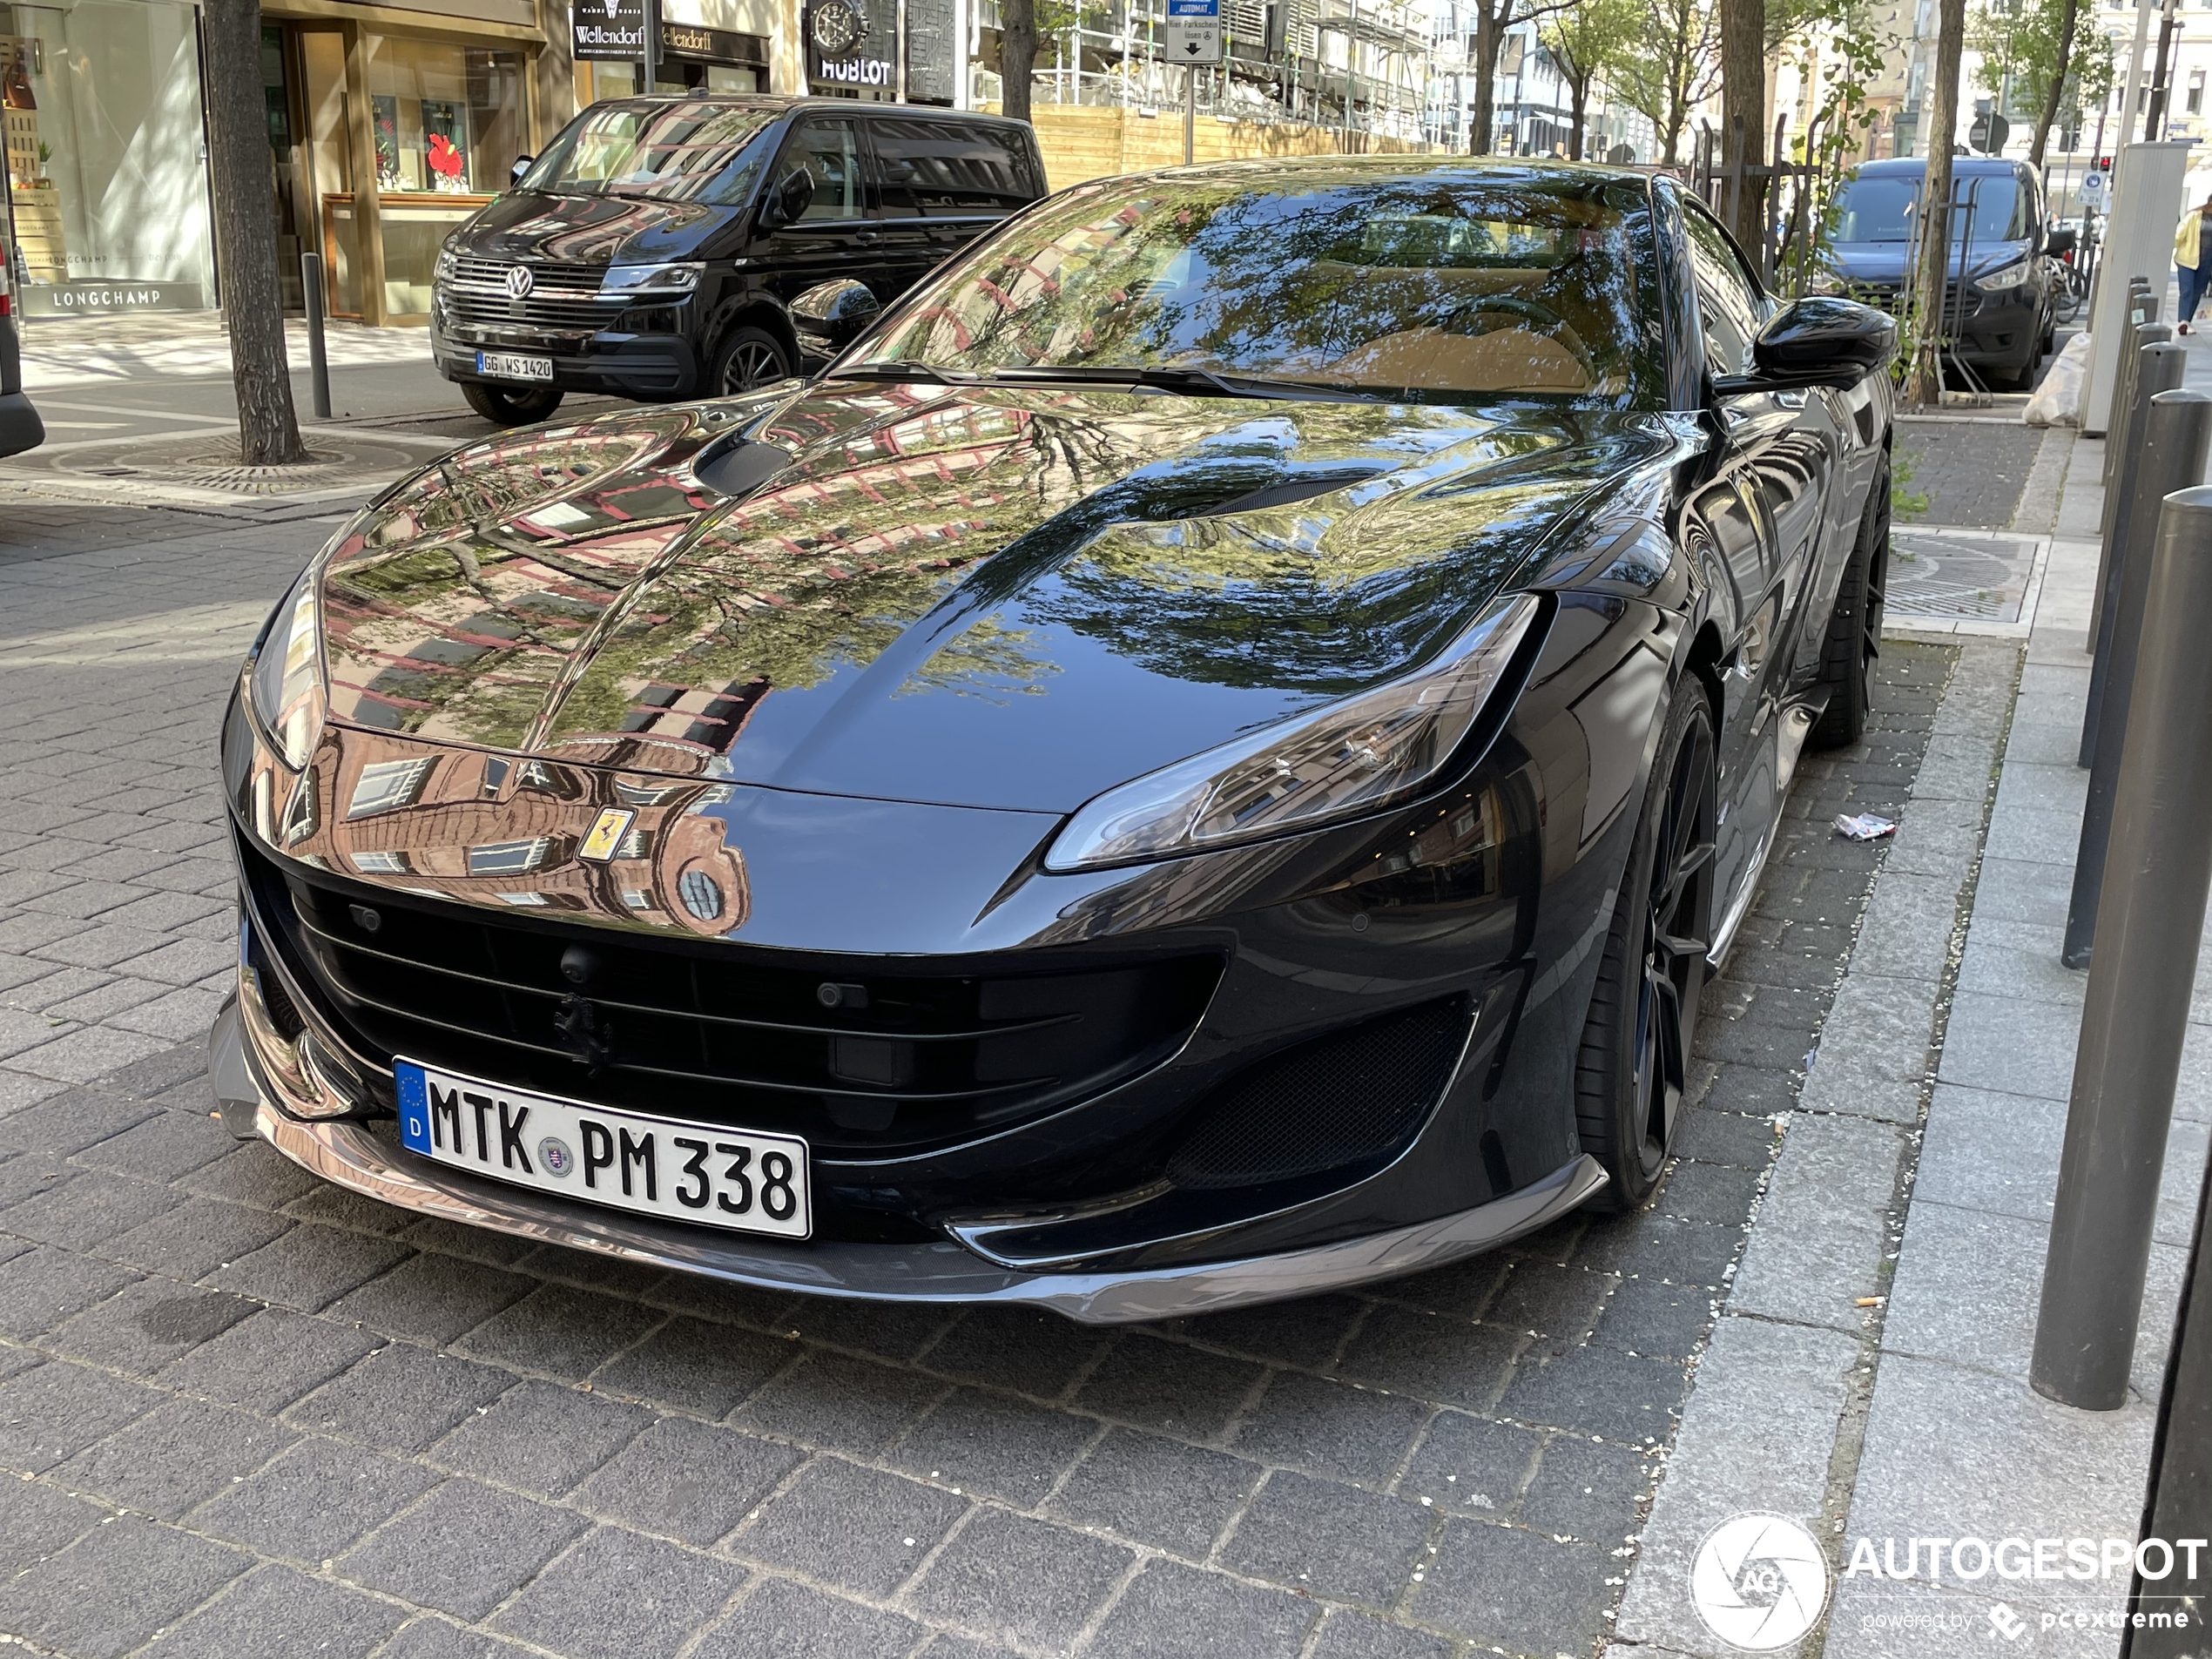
(1883, 208)
(692, 152)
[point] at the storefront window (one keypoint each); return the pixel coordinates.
(448, 123)
(106, 185)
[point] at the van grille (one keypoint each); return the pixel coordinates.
(564, 300)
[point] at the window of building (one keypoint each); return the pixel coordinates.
(2195, 103)
(387, 785)
(508, 858)
(448, 121)
(101, 103)
(382, 864)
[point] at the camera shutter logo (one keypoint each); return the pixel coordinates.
(520, 282)
(1758, 1581)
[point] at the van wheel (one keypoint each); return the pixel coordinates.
(750, 359)
(504, 407)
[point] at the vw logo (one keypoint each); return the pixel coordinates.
(520, 282)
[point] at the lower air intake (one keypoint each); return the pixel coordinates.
(1356, 1097)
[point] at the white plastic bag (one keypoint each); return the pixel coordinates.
(2058, 400)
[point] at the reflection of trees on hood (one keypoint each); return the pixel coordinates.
(1284, 601)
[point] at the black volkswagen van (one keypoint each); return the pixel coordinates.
(656, 249)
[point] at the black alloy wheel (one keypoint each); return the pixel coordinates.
(510, 405)
(1854, 639)
(1633, 1062)
(750, 359)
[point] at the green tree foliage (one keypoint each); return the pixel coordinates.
(2046, 59)
(1671, 66)
(1588, 43)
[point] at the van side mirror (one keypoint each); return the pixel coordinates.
(1817, 340)
(522, 166)
(789, 200)
(834, 314)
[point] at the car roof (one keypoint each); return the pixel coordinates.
(1534, 170)
(1916, 167)
(785, 103)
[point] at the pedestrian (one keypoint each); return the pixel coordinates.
(2193, 259)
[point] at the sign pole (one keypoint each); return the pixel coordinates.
(899, 29)
(652, 47)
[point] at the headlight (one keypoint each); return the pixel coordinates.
(287, 686)
(679, 278)
(1827, 282)
(1335, 763)
(449, 262)
(2009, 276)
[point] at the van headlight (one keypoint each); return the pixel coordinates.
(2006, 276)
(1337, 762)
(287, 690)
(449, 262)
(678, 277)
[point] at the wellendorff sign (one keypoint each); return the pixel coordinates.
(610, 29)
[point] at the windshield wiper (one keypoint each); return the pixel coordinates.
(1196, 382)
(904, 372)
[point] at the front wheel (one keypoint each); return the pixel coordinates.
(510, 405)
(1855, 625)
(1634, 1061)
(750, 359)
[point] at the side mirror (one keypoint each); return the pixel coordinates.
(837, 314)
(789, 200)
(522, 166)
(2062, 242)
(1817, 340)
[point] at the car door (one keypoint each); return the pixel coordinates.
(1735, 508)
(909, 164)
(958, 178)
(837, 236)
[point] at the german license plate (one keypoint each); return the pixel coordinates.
(701, 1173)
(513, 366)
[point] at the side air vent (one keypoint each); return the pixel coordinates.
(1358, 1096)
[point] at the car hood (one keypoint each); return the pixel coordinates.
(1886, 261)
(590, 230)
(994, 597)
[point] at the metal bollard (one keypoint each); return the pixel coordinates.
(2152, 920)
(2142, 311)
(2159, 366)
(2177, 437)
(318, 361)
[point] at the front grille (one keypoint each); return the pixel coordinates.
(564, 298)
(903, 1061)
(1358, 1096)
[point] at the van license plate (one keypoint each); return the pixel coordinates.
(513, 365)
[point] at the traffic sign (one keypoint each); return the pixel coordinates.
(2092, 184)
(1192, 32)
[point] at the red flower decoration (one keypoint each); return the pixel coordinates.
(445, 161)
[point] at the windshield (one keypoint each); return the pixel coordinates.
(690, 152)
(1883, 208)
(1506, 282)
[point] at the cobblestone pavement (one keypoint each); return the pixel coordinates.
(251, 1415)
(1971, 469)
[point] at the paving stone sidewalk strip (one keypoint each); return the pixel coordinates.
(445, 1432)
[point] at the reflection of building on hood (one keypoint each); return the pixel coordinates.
(469, 826)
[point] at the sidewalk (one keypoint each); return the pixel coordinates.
(1868, 1373)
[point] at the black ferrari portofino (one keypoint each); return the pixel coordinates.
(1208, 757)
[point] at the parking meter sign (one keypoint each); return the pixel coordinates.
(1192, 32)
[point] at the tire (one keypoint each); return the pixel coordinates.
(749, 358)
(506, 406)
(1854, 639)
(1631, 1068)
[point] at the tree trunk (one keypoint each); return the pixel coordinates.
(1017, 56)
(2056, 95)
(1743, 113)
(1489, 40)
(243, 183)
(1924, 382)
(1579, 96)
